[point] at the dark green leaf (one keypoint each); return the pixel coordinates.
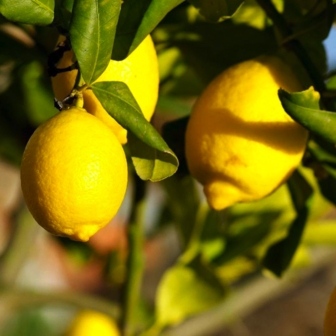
(317, 22)
(328, 184)
(217, 10)
(207, 51)
(92, 31)
(280, 255)
(37, 12)
(185, 291)
(183, 201)
(303, 107)
(152, 158)
(325, 170)
(243, 242)
(137, 20)
(174, 133)
(68, 4)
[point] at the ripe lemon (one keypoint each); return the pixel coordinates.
(330, 316)
(140, 71)
(73, 174)
(91, 323)
(240, 143)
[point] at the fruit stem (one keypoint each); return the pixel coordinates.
(135, 261)
(79, 100)
(295, 45)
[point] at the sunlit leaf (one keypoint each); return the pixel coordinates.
(92, 31)
(303, 107)
(37, 12)
(152, 158)
(185, 291)
(251, 14)
(137, 20)
(217, 10)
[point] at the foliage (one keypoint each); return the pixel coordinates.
(196, 40)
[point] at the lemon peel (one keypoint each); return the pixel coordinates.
(73, 174)
(240, 143)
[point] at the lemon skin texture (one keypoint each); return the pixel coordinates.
(73, 174)
(140, 71)
(330, 316)
(240, 143)
(91, 323)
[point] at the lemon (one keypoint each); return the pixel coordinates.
(240, 143)
(73, 174)
(140, 71)
(330, 316)
(91, 323)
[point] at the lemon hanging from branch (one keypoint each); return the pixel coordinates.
(240, 143)
(73, 174)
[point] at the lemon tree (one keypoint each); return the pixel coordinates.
(227, 105)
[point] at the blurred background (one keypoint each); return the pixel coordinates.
(45, 280)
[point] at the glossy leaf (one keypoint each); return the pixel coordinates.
(217, 10)
(137, 20)
(303, 107)
(151, 156)
(185, 291)
(37, 12)
(280, 255)
(92, 31)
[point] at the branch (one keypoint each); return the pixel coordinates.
(135, 262)
(297, 48)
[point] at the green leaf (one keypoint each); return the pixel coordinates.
(36, 12)
(137, 20)
(217, 10)
(244, 241)
(251, 14)
(152, 158)
(206, 51)
(303, 107)
(92, 31)
(38, 97)
(174, 133)
(317, 22)
(185, 291)
(183, 201)
(325, 170)
(280, 255)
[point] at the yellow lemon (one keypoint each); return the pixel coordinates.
(140, 71)
(240, 143)
(91, 323)
(330, 316)
(73, 174)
